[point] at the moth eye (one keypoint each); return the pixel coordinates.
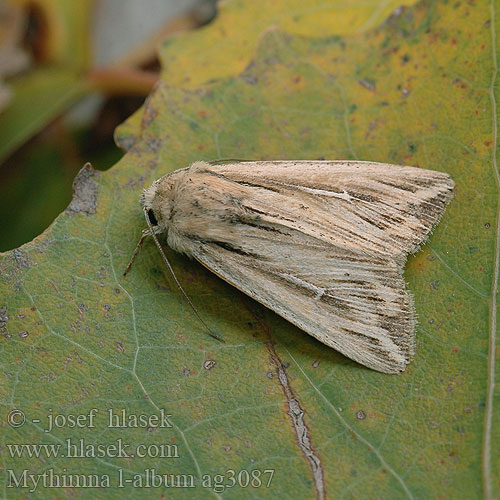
(152, 217)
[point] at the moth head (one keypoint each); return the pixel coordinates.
(156, 202)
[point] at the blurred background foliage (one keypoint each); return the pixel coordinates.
(68, 77)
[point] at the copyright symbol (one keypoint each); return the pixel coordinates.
(16, 418)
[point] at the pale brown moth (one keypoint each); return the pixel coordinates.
(321, 243)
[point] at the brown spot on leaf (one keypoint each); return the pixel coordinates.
(209, 364)
(84, 192)
(367, 84)
(360, 415)
(21, 258)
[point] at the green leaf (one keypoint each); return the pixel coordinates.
(227, 46)
(56, 82)
(38, 98)
(421, 90)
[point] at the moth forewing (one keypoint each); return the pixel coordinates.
(321, 243)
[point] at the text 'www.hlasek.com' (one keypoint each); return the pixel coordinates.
(112, 449)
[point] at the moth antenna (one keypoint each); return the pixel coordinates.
(145, 233)
(171, 270)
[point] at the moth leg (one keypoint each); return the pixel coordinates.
(145, 233)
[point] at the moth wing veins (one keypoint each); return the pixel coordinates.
(321, 243)
(358, 307)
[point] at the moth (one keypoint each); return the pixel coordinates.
(321, 243)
